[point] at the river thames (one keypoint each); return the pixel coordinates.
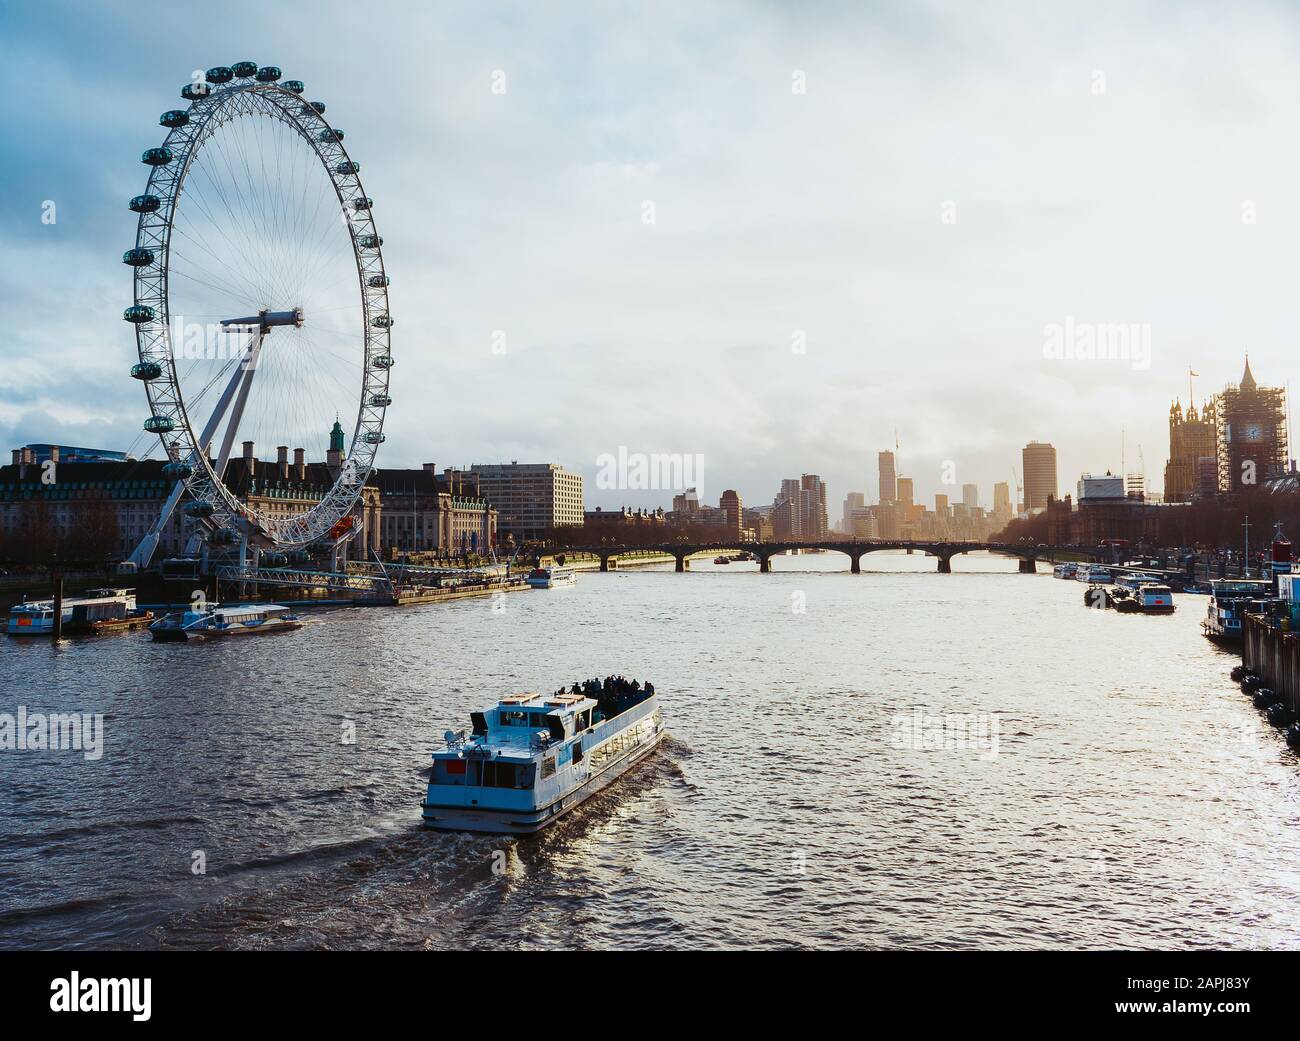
(1108, 786)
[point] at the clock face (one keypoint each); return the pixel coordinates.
(1253, 432)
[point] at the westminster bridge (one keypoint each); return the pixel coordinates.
(854, 549)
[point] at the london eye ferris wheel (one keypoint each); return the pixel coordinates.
(261, 301)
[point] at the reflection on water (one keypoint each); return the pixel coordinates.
(1135, 797)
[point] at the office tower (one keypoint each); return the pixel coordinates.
(888, 478)
(814, 507)
(970, 495)
(531, 498)
(852, 501)
(905, 491)
(1002, 507)
(730, 505)
(1039, 461)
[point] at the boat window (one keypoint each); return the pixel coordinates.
(449, 771)
(513, 718)
(498, 775)
(577, 751)
(548, 767)
(584, 720)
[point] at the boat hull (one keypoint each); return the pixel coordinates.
(527, 822)
(184, 635)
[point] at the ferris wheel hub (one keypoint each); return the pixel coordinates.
(264, 320)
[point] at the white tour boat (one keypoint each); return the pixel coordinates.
(531, 759)
(1092, 573)
(551, 577)
(220, 620)
(97, 611)
(1066, 570)
(1149, 597)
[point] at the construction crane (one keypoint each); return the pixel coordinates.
(1020, 491)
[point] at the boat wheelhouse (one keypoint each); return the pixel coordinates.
(97, 611)
(550, 577)
(1153, 598)
(221, 620)
(532, 758)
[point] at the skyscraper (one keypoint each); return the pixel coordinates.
(730, 504)
(852, 501)
(800, 509)
(814, 506)
(1039, 461)
(1002, 501)
(888, 478)
(970, 495)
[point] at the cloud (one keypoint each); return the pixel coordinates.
(776, 213)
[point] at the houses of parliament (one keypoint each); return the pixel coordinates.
(1236, 440)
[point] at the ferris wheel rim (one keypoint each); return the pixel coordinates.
(212, 104)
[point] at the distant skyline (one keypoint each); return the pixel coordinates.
(900, 246)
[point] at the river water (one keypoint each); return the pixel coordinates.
(893, 759)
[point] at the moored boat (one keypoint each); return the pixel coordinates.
(1066, 570)
(1147, 598)
(722, 560)
(96, 612)
(532, 758)
(1229, 599)
(550, 577)
(216, 621)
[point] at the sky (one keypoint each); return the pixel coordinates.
(775, 238)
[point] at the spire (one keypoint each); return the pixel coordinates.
(1247, 380)
(336, 437)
